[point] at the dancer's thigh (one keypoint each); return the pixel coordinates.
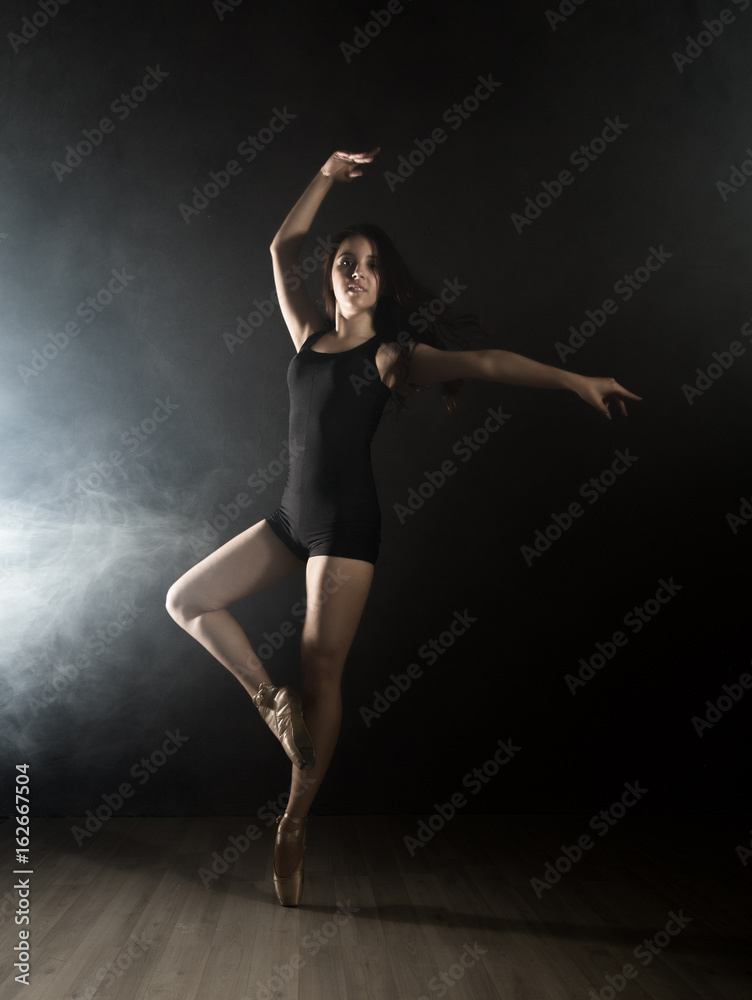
(252, 561)
(336, 594)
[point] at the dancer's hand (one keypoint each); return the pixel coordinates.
(602, 392)
(342, 166)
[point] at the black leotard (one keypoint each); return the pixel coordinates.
(329, 505)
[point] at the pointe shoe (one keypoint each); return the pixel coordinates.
(289, 888)
(282, 711)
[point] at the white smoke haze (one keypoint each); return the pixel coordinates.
(114, 454)
(88, 549)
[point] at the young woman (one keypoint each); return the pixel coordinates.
(328, 521)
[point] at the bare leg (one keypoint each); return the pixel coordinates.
(252, 561)
(337, 590)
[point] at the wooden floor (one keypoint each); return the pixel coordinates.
(127, 915)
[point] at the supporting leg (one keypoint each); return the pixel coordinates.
(337, 590)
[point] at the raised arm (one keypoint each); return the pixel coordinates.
(428, 365)
(298, 310)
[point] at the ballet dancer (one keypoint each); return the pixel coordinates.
(351, 358)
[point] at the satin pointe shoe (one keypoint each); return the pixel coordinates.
(289, 886)
(283, 713)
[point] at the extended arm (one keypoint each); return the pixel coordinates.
(299, 313)
(429, 365)
(293, 231)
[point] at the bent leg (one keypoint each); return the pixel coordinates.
(336, 594)
(252, 561)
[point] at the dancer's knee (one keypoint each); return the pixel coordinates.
(173, 603)
(179, 605)
(322, 674)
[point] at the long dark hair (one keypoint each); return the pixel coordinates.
(400, 295)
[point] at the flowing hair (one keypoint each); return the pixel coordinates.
(400, 296)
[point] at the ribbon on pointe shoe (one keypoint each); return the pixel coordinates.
(282, 711)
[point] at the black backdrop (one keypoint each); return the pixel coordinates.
(136, 426)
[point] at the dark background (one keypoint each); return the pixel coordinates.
(82, 539)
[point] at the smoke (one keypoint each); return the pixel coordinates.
(87, 549)
(104, 502)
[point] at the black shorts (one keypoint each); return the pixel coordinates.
(351, 538)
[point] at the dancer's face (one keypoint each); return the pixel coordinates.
(355, 276)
